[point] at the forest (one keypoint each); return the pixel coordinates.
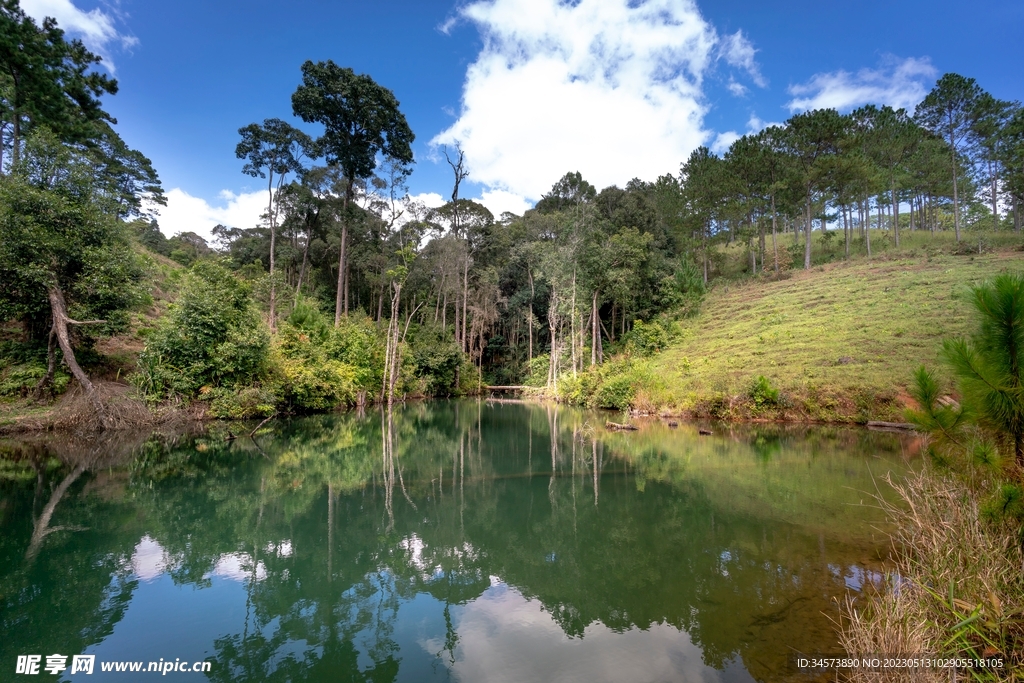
(349, 292)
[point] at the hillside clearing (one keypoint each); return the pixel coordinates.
(839, 341)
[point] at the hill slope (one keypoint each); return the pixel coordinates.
(840, 341)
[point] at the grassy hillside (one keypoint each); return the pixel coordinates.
(840, 341)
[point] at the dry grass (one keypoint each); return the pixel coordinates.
(958, 590)
(119, 409)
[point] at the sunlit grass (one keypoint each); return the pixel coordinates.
(840, 341)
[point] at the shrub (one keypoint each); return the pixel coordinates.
(212, 337)
(241, 403)
(616, 392)
(578, 390)
(435, 358)
(322, 385)
(763, 394)
(359, 343)
(646, 339)
(20, 379)
(537, 371)
(324, 367)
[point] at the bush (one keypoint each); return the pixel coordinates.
(315, 386)
(241, 403)
(212, 337)
(616, 392)
(763, 394)
(613, 385)
(18, 380)
(537, 371)
(324, 367)
(578, 390)
(435, 358)
(646, 339)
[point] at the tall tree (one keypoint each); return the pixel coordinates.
(814, 139)
(275, 147)
(891, 137)
(991, 118)
(1012, 154)
(703, 190)
(46, 80)
(361, 119)
(950, 111)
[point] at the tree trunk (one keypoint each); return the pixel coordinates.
(340, 299)
(846, 229)
(707, 228)
(775, 246)
(595, 332)
(895, 214)
(348, 273)
(458, 329)
(761, 242)
(305, 260)
(15, 135)
(572, 323)
(61, 321)
(956, 195)
(995, 196)
(51, 364)
(529, 313)
(807, 235)
(867, 226)
(271, 217)
(391, 352)
(465, 295)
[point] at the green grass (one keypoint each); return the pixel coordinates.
(840, 341)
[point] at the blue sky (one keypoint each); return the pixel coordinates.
(531, 88)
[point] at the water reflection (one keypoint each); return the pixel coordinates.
(442, 541)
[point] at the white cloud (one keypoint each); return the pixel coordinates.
(498, 626)
(611, 88)
(756, 125)
(185, 213)
(738, 51)
(430, 200)
(737, 89)
(896, 83)
(723, 141)
(500, 201)
(96, 28)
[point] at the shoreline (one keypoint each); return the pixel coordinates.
(66, 414)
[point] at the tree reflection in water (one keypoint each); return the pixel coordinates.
(735, 543)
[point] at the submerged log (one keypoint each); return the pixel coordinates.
(620, 427)
(704, 432)
(891, 426)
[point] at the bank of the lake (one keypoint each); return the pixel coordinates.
(449, 540)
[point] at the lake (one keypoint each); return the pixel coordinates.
(447, 541)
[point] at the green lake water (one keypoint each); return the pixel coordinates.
(450, 541)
